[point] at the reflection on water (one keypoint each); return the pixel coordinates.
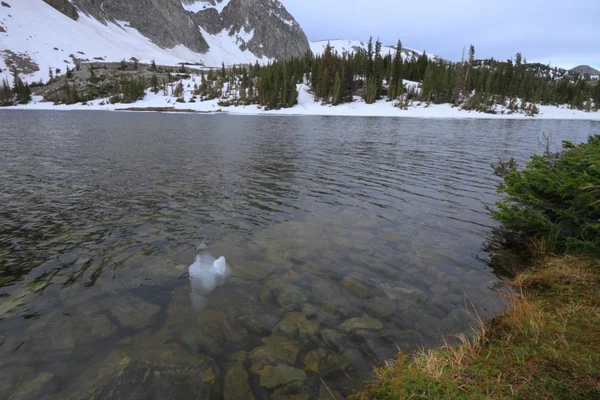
(347, 238)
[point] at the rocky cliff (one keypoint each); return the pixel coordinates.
(168, 23)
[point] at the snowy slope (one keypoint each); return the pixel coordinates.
(351, 46)
(49, 38)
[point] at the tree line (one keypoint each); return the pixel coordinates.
(373, 75)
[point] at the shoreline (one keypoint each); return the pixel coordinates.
(416, 112)
(308, 107)
(525, 351)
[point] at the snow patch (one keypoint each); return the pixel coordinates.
(202, 5)
(225, 48)
(308, 106)
(351, 46)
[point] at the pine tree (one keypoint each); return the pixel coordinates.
(377, 72)
(154, 83)
(468, 82)
(6, 94)
(178, 92)
(20, 89)
(460, 86)
(368, 72)
(338, 89)
(395, 82)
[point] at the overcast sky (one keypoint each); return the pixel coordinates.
(563, 33)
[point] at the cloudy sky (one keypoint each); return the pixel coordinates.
(563, 33)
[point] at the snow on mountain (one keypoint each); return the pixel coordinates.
(225, 48)
(351, 46)
(200, 5)
(27, 33)
(36, 37)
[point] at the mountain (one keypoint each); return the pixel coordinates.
(38, 35)
(351, 46)
(585, 69)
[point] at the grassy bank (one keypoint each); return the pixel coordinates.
(545, 346)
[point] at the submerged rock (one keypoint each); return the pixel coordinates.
(275, 349)
(296, 390)
(121, 376)
(262, 324)
(358, 285)
(281, 375)
(332, 338)
(63, 332)
(215, 324)
(365, 322)
(313, 358)
(12, 377)
(398, 293)
(236, 384)
(327, 393)
(240, 356)
(285, 294)
(132, 312)
(323, 362)
(380, 306)
(45, 384)
(297, 323)
(342, 306)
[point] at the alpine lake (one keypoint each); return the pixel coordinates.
(348, 239)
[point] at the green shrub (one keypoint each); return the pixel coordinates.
(555, 199)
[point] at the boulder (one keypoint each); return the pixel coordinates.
(275, 349)
(365, 322)
(281, 375)
(236, 384)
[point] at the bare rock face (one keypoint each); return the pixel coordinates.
(210, 20)
(276, 33)
(64, 7)
(165, 22)
(264, 27)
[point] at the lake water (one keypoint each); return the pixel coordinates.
(347, 238)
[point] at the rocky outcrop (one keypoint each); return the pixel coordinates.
(276, 33)
(64, 7)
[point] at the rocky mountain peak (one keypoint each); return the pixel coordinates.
(585, 69)
(263, 27)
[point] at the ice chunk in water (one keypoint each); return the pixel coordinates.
(206, 273)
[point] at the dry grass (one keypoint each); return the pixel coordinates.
(450, 357)
(546, 345)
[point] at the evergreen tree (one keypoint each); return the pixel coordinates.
(178, 92)
(6, 94)
(338, 89)
(396, 86)
(154, 83)
(460, 87)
